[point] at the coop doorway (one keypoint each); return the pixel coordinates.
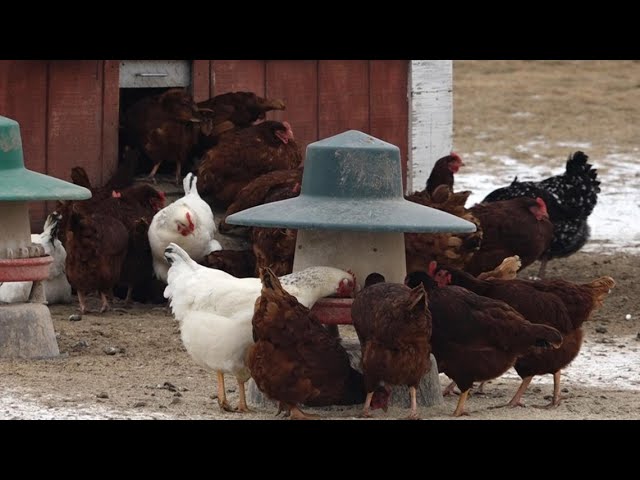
(143, 78)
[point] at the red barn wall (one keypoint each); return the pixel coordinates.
(68, 109)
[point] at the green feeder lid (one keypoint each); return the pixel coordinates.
(19, 184)
(352, 181)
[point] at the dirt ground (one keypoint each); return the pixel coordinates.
(131, 363)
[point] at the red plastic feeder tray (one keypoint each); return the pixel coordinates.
(333, 311)
(25, 269)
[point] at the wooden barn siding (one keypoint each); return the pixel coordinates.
(68, 115)
(323, 97)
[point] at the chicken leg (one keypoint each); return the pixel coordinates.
(414, 405)
(449, 389)
(127, 299)
(284, 409)
(459, 411)
(178, 173)
(105, 302)
(543, 268)
(480, 390)
(516, 401)
(152, 174)
(242, 406)
(556, 392)
(82, 301)
(222, 394)
(367, 403)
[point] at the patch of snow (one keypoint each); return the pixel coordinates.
(23, 405)
(522, 114)
(598, 365)
(583, 145)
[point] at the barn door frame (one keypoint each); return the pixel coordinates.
(430, 118)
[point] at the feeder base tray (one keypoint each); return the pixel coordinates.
(26, 331)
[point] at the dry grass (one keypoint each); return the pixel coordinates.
(499, 105)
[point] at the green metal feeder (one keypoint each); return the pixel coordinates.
(26, 330)
(351, 212)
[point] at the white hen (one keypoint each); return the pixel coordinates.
(187, 222)
(56, 286)
(215, 311)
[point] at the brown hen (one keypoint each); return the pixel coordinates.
(519, 226)
(294, 360)
(96, 246)
(244, 155)
(394, 328)
(443, 171)
(165, 127)
(477, 338)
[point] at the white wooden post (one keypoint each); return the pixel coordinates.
(430, 118)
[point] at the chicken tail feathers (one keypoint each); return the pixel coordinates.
(600, 288)
(175, 254)
(50, 231)
(190, 184)
(545, 336)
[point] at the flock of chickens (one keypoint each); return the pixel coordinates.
(245, 314)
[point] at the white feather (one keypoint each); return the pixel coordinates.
(215, 309)
(164, 228)
(56, 286)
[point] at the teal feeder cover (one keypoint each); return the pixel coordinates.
(19, 184)
(352, 181)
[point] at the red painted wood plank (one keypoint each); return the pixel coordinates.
(200, 79)
(295, 82)
(110, 118)
(75, 118)
(23, 97)
(343, 87)
(389, 106)
(238, 75)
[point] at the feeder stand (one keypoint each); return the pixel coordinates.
(26, 329)
(351, 214)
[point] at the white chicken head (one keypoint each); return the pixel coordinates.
(325, 281)
(185, 221)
